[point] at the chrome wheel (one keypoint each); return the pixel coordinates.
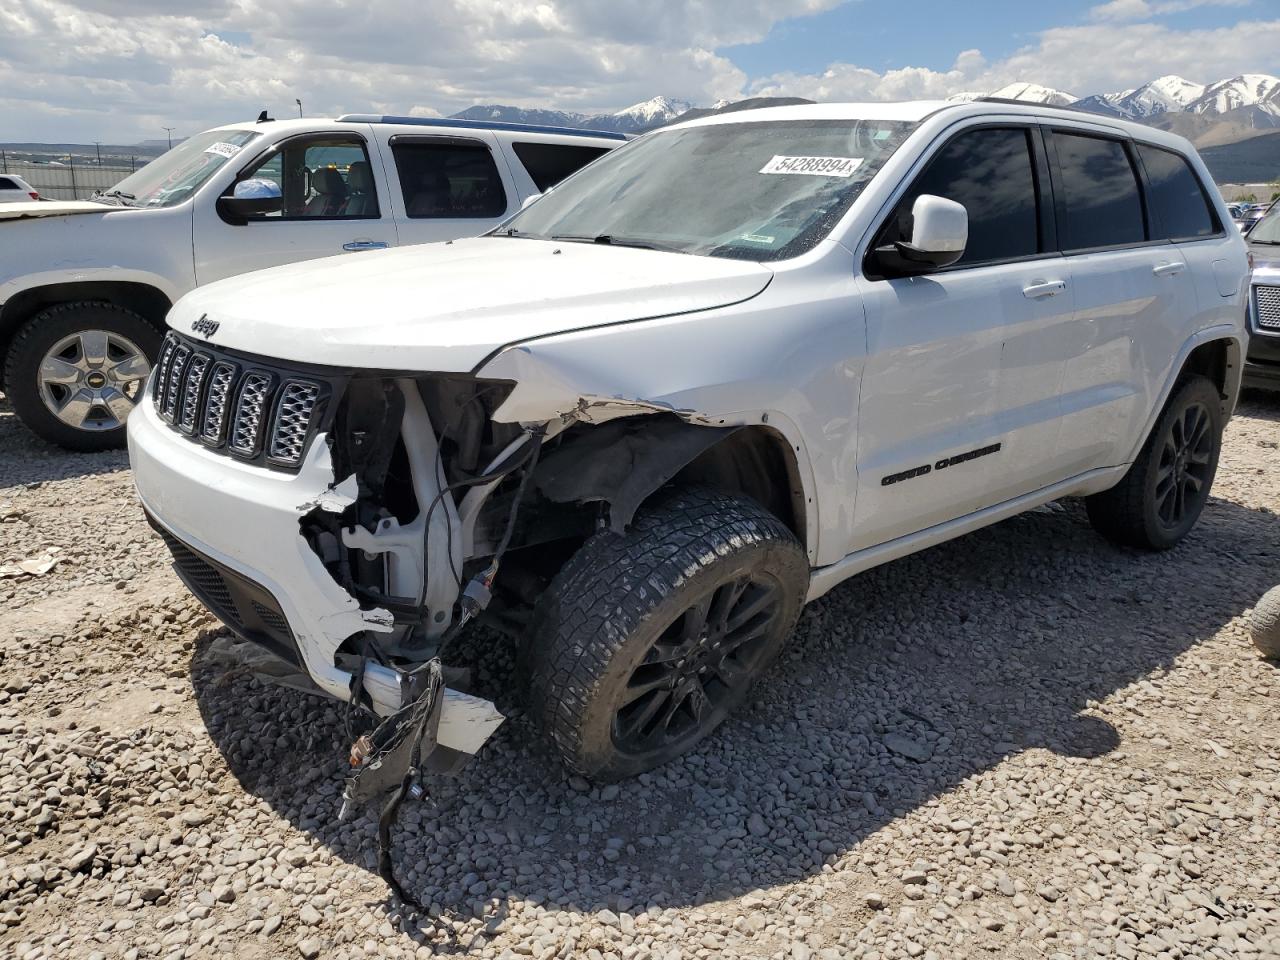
(691, 673)
(1185, 468)
(91, 380)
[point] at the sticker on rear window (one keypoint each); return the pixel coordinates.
(227, 150)
(814, 166)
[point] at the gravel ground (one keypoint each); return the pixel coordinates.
(1026, 743)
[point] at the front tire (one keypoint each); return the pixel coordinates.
(76, 370)
(1161, 497)
(645, 642)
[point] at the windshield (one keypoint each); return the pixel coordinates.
(752, 191)
(1267, 230)
(174, 176)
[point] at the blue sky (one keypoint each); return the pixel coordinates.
(122, 70)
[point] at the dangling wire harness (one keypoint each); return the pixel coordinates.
(390, 758)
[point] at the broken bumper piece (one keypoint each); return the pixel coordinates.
(234, 531)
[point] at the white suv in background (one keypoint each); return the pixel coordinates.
(700, 383)
(13, 189)
(85, 285)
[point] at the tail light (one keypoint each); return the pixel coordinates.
(33, 195)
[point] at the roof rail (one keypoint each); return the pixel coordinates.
(482, 125)
(1032, 103)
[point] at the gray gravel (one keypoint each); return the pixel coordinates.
(1026, 743)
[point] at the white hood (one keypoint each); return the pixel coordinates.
(50, 208)
(445, 307)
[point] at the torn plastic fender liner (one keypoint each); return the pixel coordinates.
(623, 462)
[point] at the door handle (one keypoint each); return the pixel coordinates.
(1044, 288)
(357, 245)
(1168, 269)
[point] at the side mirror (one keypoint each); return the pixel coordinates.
(530, 200)
(939, 233)
(251, 198)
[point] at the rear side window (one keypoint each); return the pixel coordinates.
(448, 180)
(7, 184)
(549, 163)
(992, 173)
(1098, 200)
(1179, 210)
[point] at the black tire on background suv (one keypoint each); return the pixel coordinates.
(1161, 497)
(75, 370)
(645, 642)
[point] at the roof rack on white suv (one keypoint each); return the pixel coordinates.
(77, 341)
(503, 125)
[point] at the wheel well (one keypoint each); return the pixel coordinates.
(626, 462)
(1212, 360)
(146, 301)
(759, 463)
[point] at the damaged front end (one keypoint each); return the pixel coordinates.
(423, 476)
(354, 523)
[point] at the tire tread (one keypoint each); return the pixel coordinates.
(613, 582)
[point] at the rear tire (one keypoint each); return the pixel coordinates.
(75, 370)
(645, 642)
(1161, 497)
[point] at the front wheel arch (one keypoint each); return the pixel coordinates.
(147, 301)
(628, 462)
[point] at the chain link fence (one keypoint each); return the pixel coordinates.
(71, 179)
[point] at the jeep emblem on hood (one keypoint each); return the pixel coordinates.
(204, 326)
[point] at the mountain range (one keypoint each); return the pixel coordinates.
(639, 117)
(1249, 102)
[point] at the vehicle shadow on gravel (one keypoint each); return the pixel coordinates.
(910, 681)
(32, 460)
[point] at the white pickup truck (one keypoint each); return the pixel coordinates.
(85, 285)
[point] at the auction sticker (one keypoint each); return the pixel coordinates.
(227, 150)
(814, 166)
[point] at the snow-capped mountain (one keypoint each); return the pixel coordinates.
(1247, 90)
(501, 114)
(1030, 92)
(641, 116)
(1033, 93)
(1158, 96)
(656, 110)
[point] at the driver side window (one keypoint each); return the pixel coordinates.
(991, 172)
(321, 179)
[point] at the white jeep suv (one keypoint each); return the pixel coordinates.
(85, 285)
(697, 385)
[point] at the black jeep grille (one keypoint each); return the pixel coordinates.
(251, 408)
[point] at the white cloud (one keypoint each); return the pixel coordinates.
(1094, 58)
(1145, 9)
(123, 69)
(120, 69)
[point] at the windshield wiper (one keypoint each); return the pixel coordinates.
(609, 240)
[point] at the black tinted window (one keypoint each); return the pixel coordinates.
(449, 180)
(7, 184)
(1098, 200)
(549, 163)
(991, 172)
(1179, 209)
